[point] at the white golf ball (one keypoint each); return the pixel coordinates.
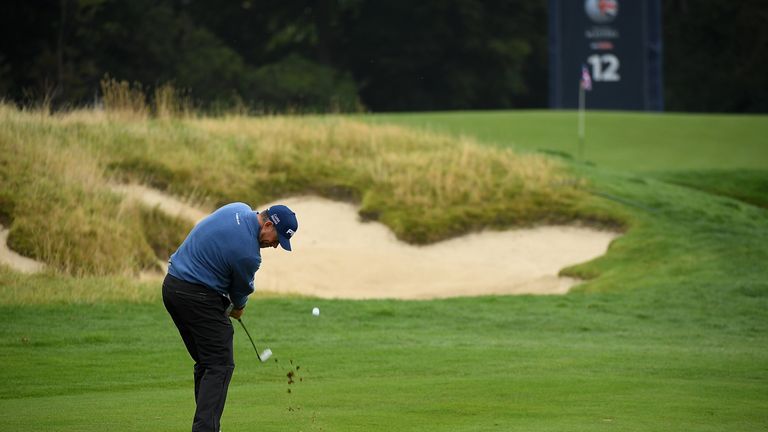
(315, 311)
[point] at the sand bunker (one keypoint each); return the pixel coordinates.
(335, 255)
(166, 203)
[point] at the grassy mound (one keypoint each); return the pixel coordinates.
(55, 172)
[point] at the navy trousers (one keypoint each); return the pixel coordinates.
(200, 314)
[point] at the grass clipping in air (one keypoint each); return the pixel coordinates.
(55, 170)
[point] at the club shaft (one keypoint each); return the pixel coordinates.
(249, 338)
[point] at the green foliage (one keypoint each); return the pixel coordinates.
(447, 55)
(297, 84)
(213, 71)
(736, 34)
(401, 56)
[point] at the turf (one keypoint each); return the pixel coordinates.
(670, 333)
(749, 186)
(614, 140)
(580, 362)
(671, 336)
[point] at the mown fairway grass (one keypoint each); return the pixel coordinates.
(580, 362)
(672, 334)
(614, 140)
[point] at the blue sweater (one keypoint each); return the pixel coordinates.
(221, 252)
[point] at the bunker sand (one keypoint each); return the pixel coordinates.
(336, 255)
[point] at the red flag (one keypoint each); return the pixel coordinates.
(586, 80)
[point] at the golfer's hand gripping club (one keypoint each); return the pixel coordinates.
(235, 313)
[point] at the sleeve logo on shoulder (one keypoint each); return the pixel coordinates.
(237, 218)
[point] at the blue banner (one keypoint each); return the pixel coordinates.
(619, 42)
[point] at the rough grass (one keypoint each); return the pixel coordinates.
(54, 288)
(680, 237)
(424, 186)
(749, 186)
(61, 212)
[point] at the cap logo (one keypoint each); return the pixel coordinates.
(275, 219)
(289, 232)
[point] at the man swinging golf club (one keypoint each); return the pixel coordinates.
(209, 279)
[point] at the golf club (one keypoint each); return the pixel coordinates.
(266, 354)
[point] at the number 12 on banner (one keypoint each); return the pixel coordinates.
(605, 67)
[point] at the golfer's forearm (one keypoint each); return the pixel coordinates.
(239, 302)
(241, 285)
(239, 294)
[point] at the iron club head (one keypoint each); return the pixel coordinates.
(265, 355)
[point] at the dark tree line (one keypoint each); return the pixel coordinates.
(343, 54)
(716, 55)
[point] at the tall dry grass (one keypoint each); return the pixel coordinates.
(425, 186)
(131, 101)
(57, 199)
(171, 103)
(123, 98)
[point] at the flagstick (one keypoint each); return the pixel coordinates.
(581, 122)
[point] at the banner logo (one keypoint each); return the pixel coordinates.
(602, 11)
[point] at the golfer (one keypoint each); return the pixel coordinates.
(209, 279)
